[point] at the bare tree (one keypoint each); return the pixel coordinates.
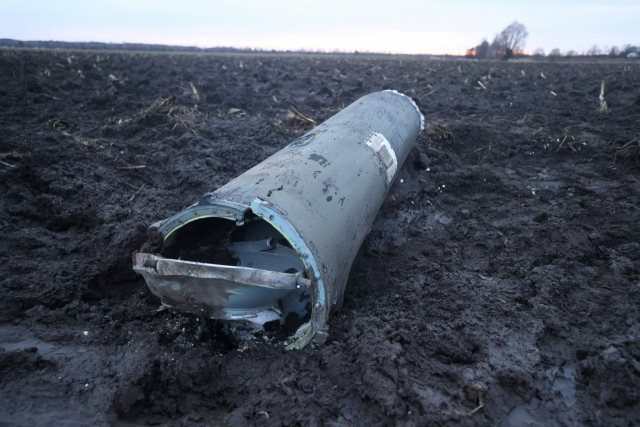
(555, 52)
(512, 38)
(594, 50)
(538, 52)
(627, 49)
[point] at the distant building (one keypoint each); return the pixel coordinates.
(632, 55)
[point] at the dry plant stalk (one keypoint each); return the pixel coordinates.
(136, 193)
(237, 111)
(628, 150)
(7, 164)
(195, 94)
(603, 103)
(180, 115)
(297, 115)
(474, 391)
(58, 124)
(439, 131)
(160, 106)
(14, 155)
(132, 167)
(191, 92)
(562, 143)
(278, 123)
(87, 143)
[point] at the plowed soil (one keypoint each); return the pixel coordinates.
(502, 270)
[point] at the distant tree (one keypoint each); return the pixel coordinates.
(572, 53)
(594, 50)
(614, 51)
(555, 52)
(512, 38)
(627, 49)
(538, 52)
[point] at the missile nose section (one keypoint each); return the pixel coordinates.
(280, 239)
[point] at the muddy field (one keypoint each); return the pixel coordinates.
(503, 268)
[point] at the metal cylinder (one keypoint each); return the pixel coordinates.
(281, 237)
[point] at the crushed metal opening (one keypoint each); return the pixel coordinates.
(255, 244)
(243, 271)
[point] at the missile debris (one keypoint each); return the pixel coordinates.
(280, 239)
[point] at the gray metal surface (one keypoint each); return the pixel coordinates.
(320, 193)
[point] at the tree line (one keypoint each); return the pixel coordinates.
(41, 44)
(613, 52)
(141, 47)
(510, 43)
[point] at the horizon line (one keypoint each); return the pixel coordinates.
(458, 53)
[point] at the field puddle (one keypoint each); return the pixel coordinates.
(27, 343)
(563, 381)
(525, 416)
(42, 346)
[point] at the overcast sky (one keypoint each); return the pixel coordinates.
(395, 26)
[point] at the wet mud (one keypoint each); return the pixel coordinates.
(502, 270)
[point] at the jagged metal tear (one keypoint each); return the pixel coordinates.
(267, 272)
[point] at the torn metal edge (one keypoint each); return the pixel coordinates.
(177, 282)
(317, 323)
(158, 266)
(208, 207)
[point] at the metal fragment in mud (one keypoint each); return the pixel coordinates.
(279, 240)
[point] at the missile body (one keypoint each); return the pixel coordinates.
(280, 239)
